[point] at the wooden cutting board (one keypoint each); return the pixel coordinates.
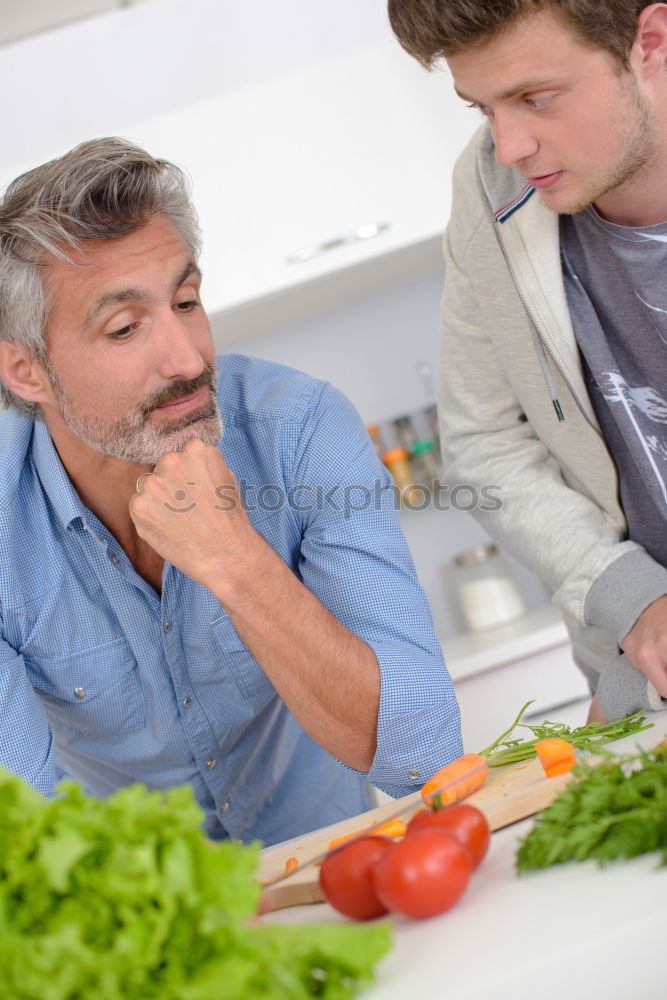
(509, 794)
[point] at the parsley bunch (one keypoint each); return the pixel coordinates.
(124, 898)
(609, 813)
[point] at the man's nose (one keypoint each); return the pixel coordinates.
(179, 351)
(514, 139)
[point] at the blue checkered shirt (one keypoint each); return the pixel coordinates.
(105, 680)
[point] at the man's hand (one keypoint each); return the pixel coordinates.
(190, 512)
(646, 644)
(595, 712)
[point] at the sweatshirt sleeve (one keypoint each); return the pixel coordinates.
(623, 689)
(623, 591)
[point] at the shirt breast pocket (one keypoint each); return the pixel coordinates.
(238, 663)
(95, 693)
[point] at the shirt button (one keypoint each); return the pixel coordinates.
(413, 775)
(224, 807)
(167, 627)
(114, 559)
(211, 764)
(80, 692)
(186, 703)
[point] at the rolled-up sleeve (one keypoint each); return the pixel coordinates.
(354, 558)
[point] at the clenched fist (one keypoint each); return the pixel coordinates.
(190, 511)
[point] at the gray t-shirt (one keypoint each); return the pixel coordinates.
(617, 296)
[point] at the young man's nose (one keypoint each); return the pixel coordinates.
(514, 141)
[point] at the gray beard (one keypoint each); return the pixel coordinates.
(132, 438)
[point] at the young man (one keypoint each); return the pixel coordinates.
(175, 608)
(554, 371)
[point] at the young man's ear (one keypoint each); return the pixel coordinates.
(21, 373)
(649, 53)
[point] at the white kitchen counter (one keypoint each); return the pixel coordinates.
(573, 931)
(472, 653)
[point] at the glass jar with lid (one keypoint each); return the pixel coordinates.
(488, 593)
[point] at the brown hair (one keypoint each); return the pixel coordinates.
(434, 29)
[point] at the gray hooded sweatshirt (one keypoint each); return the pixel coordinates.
(516, 415)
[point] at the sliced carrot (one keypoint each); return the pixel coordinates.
(290, 865)
(464, 776)
(393, 828)
(557, 756)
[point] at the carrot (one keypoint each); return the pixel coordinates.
(393, 828)
(557, 756)
(290, 865)
(464, 775)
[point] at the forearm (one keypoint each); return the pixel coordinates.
(327, 676)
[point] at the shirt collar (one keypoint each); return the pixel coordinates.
(56, 483)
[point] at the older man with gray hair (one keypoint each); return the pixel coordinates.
(159, 621)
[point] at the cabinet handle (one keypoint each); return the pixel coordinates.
(366, 232)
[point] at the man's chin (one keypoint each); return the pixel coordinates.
(208, 429)
(563, 204)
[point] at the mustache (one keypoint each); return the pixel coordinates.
(179, 389)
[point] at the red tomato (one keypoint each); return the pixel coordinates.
(423, 875)
(468, 824)
(345, 878)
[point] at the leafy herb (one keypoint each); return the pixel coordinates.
(510, 751)
(119, 898)
(607, 814)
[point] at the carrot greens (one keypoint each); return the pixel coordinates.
(507, 749)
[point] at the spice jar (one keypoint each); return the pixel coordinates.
(424, 461)
(488, 594)
(398, 463)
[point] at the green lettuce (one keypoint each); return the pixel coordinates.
(124, 899)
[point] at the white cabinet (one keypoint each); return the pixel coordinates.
(306, 160)
(496, 672)
(287, 154)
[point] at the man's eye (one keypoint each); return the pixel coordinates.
(538, 102)
(483, 109)
(188, 306)
(124, 332)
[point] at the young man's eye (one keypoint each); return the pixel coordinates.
(483, 109)
(538, 102)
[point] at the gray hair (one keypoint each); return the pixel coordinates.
(101, 189)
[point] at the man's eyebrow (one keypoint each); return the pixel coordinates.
(520, 88)
(130, 294)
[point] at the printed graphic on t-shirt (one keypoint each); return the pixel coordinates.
(655, 315)
(614, 280)
(644, 407)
